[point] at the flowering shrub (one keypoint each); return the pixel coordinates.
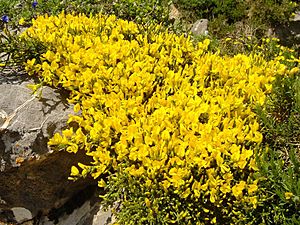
(169, 125)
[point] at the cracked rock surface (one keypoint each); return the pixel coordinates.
(33, 178)
(27, 133)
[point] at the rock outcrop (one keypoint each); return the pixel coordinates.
(34, 179)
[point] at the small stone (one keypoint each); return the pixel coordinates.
(297, 16)
(104, 217)
(174, 13)
(200, 27)
(21, 214)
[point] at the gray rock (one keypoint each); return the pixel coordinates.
(200, 27)
(21, 214)
(87, 214)
(174, 13)
(32, 176)
(296, 17)
(289, 34)
(75, 218)
(103, 217)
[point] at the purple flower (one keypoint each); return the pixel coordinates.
(34, 4)
(5, 18)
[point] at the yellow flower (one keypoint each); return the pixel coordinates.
(178, 176)
(252, 188)
(77, 108)
(186, 193)
(253, 201)
(165, 135)
(213, 195)
(147, 202)
(22, 21)
(225, 188)
(132, 131)
(74, 171)
(68, 133)
(136, 172)
(57, 139)
(101, 169)
(148, 183)
(214, 220)
(30, 64)
(288, 195)
(237, 190)
(72, 148)
(294, 70)
(166, 184)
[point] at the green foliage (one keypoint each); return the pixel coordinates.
(12, 9)
(14, 51)
(271, 11)
(233, 10)
(280, 195)
(264, 14)
(135, 10)
(281, 117)
(17, 9)
(234, 16)
(141, 11)
(270, 48)
(138, 203)
(279, 161)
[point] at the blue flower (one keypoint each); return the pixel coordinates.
(34, 4)
(5, 18)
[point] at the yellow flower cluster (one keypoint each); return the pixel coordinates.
(166, 111)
